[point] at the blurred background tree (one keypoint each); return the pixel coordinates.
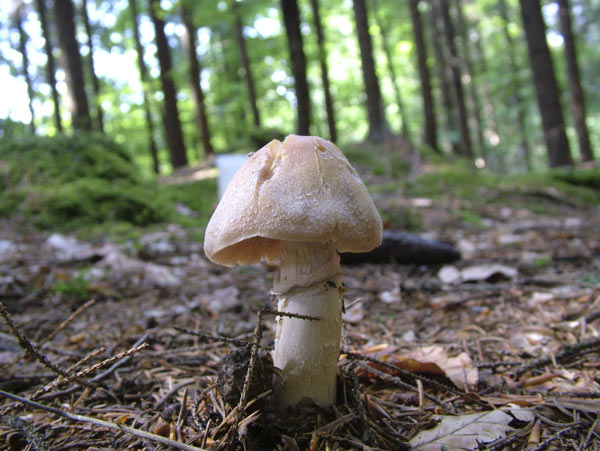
(456, 76)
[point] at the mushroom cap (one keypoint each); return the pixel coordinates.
(301, 189)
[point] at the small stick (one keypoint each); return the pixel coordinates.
(399, 382)
(66, 322)
(425, 380)
(33, 351)
(564, 353)
(97, 422)
(210, 337)
(120, 359)
(553, 437)
(61, 380)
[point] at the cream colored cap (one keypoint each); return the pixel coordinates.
(303, 189)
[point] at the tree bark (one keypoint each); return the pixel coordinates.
(248, 75)
(18, 18)
(71, 59)
(463, 119)
(475, 101)
(95, 82)
(324, 71)
(383, 32)
(444, 76)
(517, 100)
(172, 123)
(577, 96)
(144, 78)
(189, 44)
(430, 131)
(378, 126)
(50, 63)
(559, 153)
(291, 18)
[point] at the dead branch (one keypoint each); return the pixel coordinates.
(66, 322)
(34, 351)
(566, 352)
(102, 423)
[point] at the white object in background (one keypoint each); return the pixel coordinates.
(228, 164)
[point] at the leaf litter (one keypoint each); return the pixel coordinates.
(502, 355)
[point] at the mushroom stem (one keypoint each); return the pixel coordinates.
(306, 351)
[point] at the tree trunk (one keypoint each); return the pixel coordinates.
(241, 42)
(172, 124)
(559, 153)
(50, 63)
(577, 96)
(18, 18)
(517, 100)
(324, 71)
(463, 120)
(475, 101)
(291, 18)
(189, 44)
(383, 32)
(444, 77)
(144, 78)
(378, 126)
(430, 131)
(71, 60)
(95, 82)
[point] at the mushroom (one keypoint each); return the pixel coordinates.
(297, 203)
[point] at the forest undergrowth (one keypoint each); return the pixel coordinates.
(142, 342)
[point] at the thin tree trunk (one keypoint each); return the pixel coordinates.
(324, 71)
(95, 82)
(463, 120)
(50, 63)
(291, 18)
(18, 18)
(577, 96)
(71, 58)
(248, 75)
(430, 131)
(378, 126)
(144, 78)
(517, 100)
(476, 108)
(172, 123)
(444, 76)
(189, 44)
(559, 153)
(383, 32)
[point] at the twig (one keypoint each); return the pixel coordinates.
(399, 382)
(251, 365)
(61, 380)
(553, 437)
(120, 359)
(171, 392)
(97, 422)
(564, 353)
(33, 351)
(425, 380)
(66, 322)
(210, 337)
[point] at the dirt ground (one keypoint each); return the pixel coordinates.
(499, 350)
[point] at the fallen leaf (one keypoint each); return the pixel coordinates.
(463, 432)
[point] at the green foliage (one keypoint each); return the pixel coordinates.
(67, 182)
(75, 288)
(589, 178)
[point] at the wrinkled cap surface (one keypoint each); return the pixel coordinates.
(301, 189)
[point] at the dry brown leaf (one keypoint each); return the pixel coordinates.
(463, 432)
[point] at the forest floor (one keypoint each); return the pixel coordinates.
(499, 350)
